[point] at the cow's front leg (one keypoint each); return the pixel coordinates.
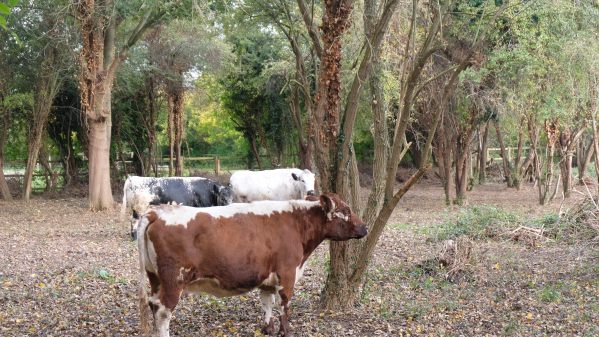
(268, 302)
(286, 292)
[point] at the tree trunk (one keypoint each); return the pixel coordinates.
(151, 124)
(171, 135)
(507, 170)
(444, 158)
(595, 146)
(585, 153)
(46, 90)
(255, 152)
(567, 143)
(462, 163)
(482, 156)
(100, 191)
(335, 20)
(179, 135)
(4, 127)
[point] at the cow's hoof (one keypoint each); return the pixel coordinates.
(269, 329)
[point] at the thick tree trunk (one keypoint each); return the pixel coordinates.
(336, 19)
(100, 191)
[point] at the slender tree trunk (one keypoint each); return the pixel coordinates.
(545, 174)
(151, 124)
(482, 157)
(4, 127)
(179, 134)
(171, 135)
(585, 154)
(461, 171)
(444, 155)
(46, 90)
(568, 141)
(254, 146)
(595, 146)
(507, 170)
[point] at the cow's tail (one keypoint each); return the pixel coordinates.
(124, 203)
(144, 307)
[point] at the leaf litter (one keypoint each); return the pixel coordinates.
(66, 271)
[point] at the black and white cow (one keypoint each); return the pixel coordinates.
(140, 192)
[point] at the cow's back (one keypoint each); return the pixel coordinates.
(264, 185)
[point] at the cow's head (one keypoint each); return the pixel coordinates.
(342, 224)
(224, 194)
(305, 180)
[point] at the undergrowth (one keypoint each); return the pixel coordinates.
(485, 221)
(476, 222)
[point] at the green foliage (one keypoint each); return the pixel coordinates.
(476, 222)
(551, 293)
(5, 9)
(209, 129)
(20, 105)
(254, 95)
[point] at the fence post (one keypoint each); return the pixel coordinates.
(217, 165)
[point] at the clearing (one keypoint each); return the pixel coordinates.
(66, 271)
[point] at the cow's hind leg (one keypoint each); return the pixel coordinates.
(286, 292)
(169, 295)
(154, 298)
(268, 302)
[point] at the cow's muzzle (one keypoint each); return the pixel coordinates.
(311, 192)
(361, 231)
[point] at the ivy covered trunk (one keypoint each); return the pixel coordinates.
(326, 132)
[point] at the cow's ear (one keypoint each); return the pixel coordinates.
(294, 176)
(327, 204)
(215, 188)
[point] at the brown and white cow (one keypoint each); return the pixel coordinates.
(231, 250)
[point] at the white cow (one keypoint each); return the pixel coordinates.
(279, 184)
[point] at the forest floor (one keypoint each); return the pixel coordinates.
(66, 271)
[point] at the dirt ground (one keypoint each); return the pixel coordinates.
(66, 271)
